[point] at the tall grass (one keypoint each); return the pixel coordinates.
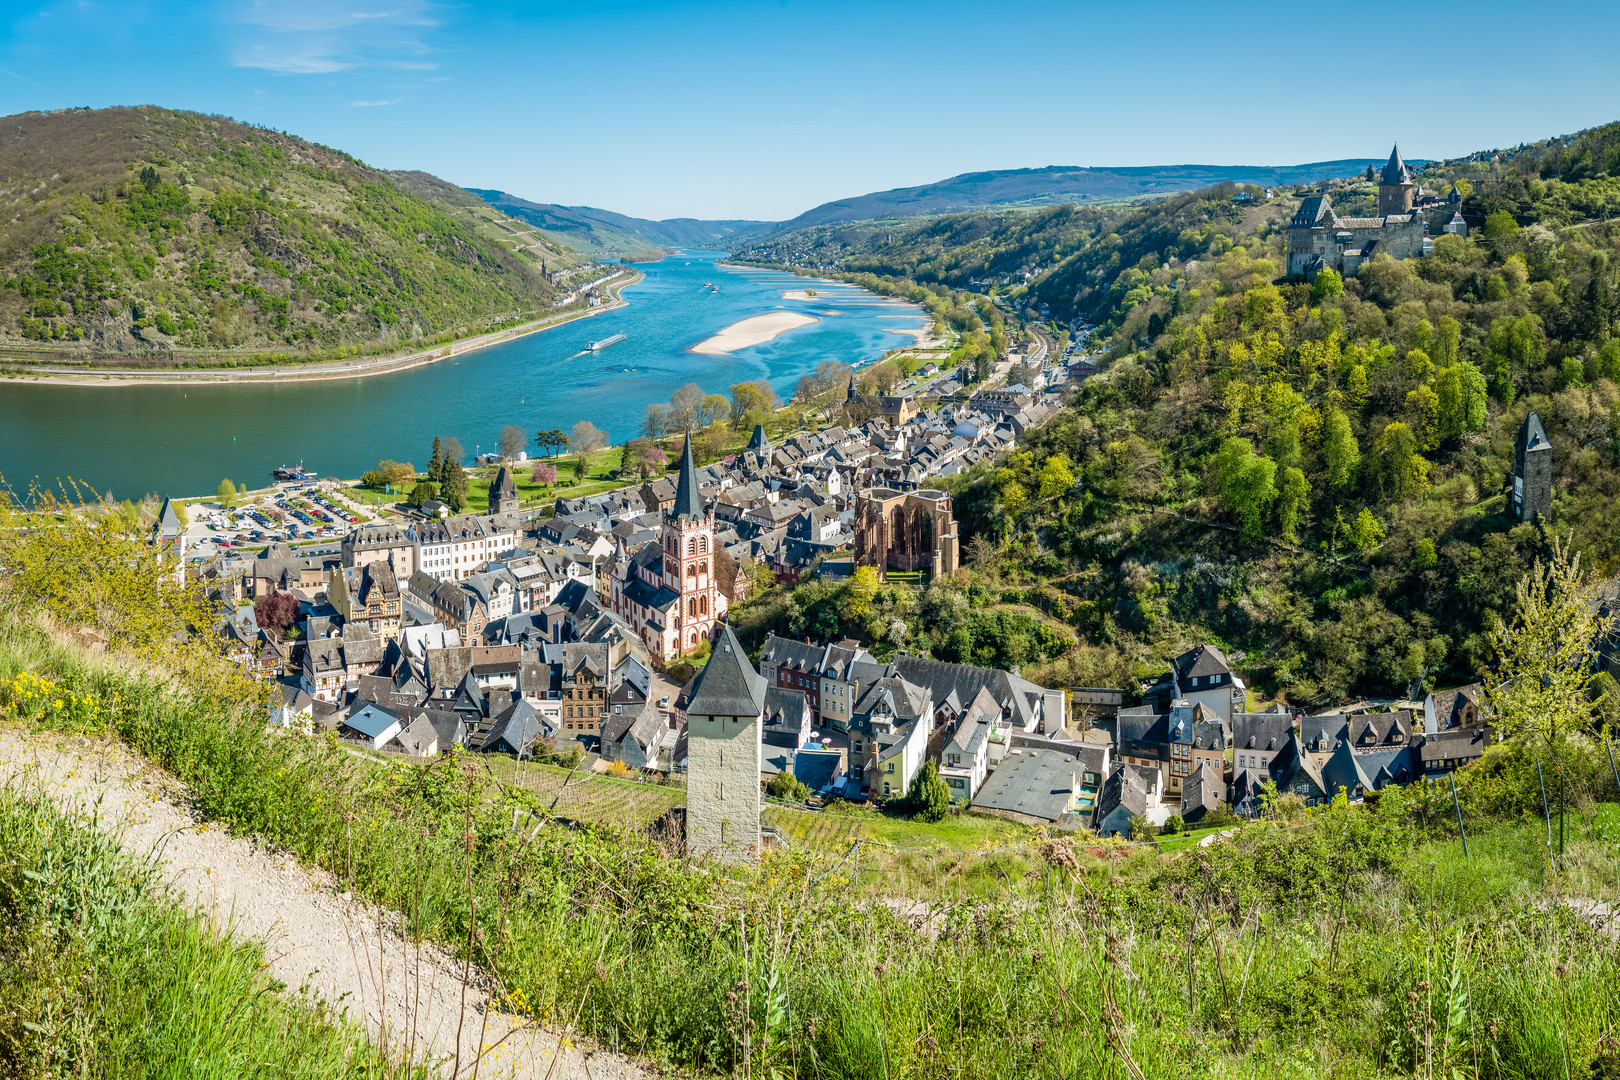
(1351, 946)
(104, 975)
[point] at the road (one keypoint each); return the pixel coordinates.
(336, 369)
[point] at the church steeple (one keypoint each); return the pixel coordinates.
(688, 501)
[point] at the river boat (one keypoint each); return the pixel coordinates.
(297, 474)
(598, 346)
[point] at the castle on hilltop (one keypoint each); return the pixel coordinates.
(1408, 219)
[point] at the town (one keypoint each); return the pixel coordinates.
(597, 635)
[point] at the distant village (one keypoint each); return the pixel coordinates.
(555, 636)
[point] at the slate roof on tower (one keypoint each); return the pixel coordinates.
(1533, 436)
(503, 487)
(728, 685)
(688, 501)
(1395, 171)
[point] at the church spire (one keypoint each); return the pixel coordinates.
(688, 502)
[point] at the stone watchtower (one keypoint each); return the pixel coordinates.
(1396, 191)
(1532, 471)
(503, 495)
(724, 721)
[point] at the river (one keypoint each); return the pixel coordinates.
(182, 439)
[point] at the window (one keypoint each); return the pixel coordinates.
(691, 547)
(703, 546)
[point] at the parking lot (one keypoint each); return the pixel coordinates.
(294, 513)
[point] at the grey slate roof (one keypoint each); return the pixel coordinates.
(1395, 171)
(1033, 783)
(728, 685)
(688, 501)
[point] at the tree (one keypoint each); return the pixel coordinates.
(1141, 829)
(276, 613)
(1340, 453)
(752, 403)
(421, 494)
(1327, 286)
(655, 422)
(1540, 694)
(585, 439)
(1461, 396)
(860, 592)
(930, 797)
(1014, 498)
(1175, 823)
(1365, 533)
(1247, 484)
(1399, 472)
(550, 441)
(646, 457)
(1056, 477)
(786, 786)
(453, 451)
(388, 473)
(512, 441)
(1292, 500)
(435, 470)
(684, 406)
(715, 409)
(226, 494)
(1501, 226)
(544, 474)
(1447, 341)
(453, 488)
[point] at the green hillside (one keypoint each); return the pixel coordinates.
(1317, 475)
(603, 232)
(143, 235)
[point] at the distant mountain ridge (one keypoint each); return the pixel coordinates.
(591, 231)
(1058, 184)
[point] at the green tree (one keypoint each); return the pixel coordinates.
(789, 788)
(1247, 484)
(435, 469)
(1056, 477)
(453, 488)
(752, 403)
(930, 797)
(1461, 395)
(1447, 341)
(1175, 823)
(1014, 498)
(1327, 286)
(1540, 693)
(860, 592)
(1365, 533)
(1141, 829)
(550, 441)
(1292, 500)
(584, 440)
(1399, 471)
(1501, 226)
(421, 493)
(1423, 409)
(226, 494)
(1340, 453)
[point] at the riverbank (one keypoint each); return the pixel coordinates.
(317, 372)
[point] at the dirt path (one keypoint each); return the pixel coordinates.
(317, 939)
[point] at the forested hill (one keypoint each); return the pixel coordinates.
(1058, 184)
(145, 235)
(1316, 475)
(603, 232)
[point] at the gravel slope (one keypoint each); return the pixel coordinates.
(318, 940)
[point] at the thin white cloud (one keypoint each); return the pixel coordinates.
(312, 37)
(374, 104)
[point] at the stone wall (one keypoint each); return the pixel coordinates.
(722, 787)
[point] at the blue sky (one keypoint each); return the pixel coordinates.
(767, 108)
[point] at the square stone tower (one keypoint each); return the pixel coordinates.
(1396, 191)
(1532, 471)
(724, 721)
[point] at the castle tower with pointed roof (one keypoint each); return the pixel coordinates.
(669, 591)
(724, 719)
(1532, 471)
(503, 494)
(1396, 191)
